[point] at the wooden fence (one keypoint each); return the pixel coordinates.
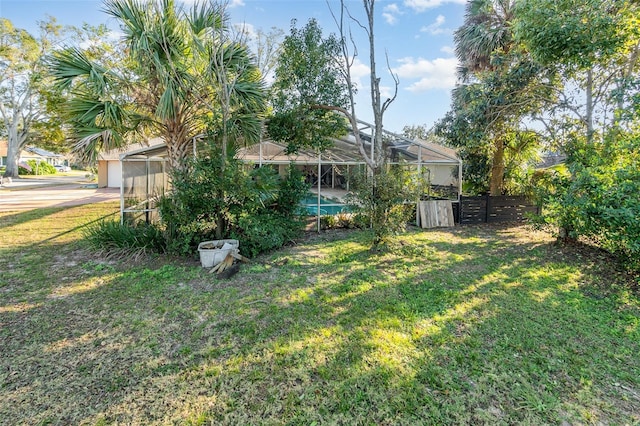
(488, 209)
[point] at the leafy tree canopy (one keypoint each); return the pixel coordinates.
(24, 86)
(182, 75)
(573, 32)
(308, 75)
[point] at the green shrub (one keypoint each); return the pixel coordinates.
(212, 200)
(598, 199)
(112, 238)
(33, 167)
(328, 222)
(265, 231)
(384, 200)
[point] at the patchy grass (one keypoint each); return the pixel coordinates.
(472, 325)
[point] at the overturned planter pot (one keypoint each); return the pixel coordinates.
(214, 252)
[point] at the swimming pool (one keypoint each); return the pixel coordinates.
(327, 206)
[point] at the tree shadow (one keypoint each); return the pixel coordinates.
(434, 332)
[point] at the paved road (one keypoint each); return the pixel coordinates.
(55, 191)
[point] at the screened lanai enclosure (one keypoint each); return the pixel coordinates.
(144, 179)
(328, 173)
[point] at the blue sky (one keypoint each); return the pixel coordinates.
(417, 36)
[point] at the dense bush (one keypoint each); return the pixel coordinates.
(123, 240)
(344, 220)
(385, 199)
(212, 202)
(33, 167)
(264, 231)
(597, 198)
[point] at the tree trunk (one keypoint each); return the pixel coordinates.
(15, 142)
(178, 147)
(589, 101)
(12, 163)
(497, 169)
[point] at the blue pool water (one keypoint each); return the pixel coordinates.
(327, 207)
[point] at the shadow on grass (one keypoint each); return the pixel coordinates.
(450, 328)
(12, 219)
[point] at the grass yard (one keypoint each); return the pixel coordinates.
(472, 325)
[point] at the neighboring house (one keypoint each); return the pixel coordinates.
(140, 172)
(40, 155)
(110, 167)
(3, 152)
(31, 153)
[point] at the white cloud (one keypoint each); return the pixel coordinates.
(245, 30)
(422, 5)
(439, 73)
(232, 3)
(385, 92)
(448, 50)
(391, 19)
(391, 13)
(436, 28)
(359, 71)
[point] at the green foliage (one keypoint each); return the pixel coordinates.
(180, 74)
(36, 168)
(305, 127)
(24, 85)
(421, 131)
(484, 122)
(123, 240)
(573, 32)
(308, 75)
(328, 222)
(598, 199)
(502, 84)
(264, 231)
(291, 192)
(385, 198)
(344, 220)
(217, 199)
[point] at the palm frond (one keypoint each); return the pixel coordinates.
(70, 64)
(93, 140)
(207, 16)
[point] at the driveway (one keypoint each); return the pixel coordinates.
(52, 191)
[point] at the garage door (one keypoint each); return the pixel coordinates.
(114, 174)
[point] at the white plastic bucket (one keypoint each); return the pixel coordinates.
(214, 252)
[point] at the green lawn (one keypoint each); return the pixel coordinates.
(471, 325)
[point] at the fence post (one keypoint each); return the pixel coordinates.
(486, 212)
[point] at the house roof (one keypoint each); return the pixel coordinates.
(42, 152)
(131, 149)
(343, 151)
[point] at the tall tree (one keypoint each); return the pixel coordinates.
(22, 82)
(169, 85)
(267, 47)
(307, 75)
(376, 158)
(302, 90)
(419, 131)
(595, 44)
(500, 85)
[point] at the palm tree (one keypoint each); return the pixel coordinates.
(486, 30)
(180, 76)
(484, 37)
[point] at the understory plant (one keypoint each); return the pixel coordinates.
(385, 198)
(598, 198)
(217, 198)
(33, 167)
(113, 239)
